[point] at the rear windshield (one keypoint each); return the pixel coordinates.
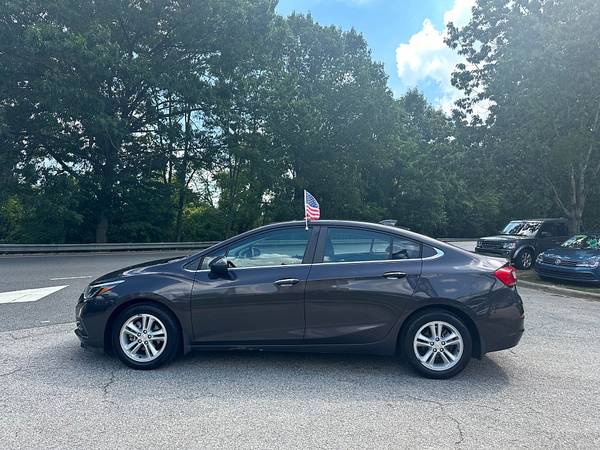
(583, 241)
(519, 228)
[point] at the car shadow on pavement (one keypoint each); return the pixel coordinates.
(335, 377)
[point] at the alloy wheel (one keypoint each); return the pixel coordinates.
(143, 337)
(526, 259)
(438, 345)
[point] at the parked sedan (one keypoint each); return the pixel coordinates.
(577, 259)
(339, 286)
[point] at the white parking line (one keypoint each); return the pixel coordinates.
(71, 278)
(29, 295)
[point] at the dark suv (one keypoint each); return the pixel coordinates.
(522, 240)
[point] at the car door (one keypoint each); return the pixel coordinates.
(261, 300)
(359, 284)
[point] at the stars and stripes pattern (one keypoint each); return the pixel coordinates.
(311, 207)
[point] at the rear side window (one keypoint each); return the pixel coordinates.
(562, 229)
(353, 245)
(428, 251)
(405, 249)
(555, 229)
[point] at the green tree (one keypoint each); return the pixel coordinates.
(536, 63)
(332, 117)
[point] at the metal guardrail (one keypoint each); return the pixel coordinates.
(86, 248)
(21, 249)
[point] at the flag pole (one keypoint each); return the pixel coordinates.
(305, 215)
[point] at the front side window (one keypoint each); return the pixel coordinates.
(272, 248)
(352, 245)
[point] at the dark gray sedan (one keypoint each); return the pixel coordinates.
(337, 286)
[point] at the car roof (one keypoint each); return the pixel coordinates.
(349, 223)
(358, 224)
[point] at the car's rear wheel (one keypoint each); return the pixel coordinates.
(524, 259)
(145, 336)
(437, 344)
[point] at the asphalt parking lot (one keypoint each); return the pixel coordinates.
(543, 393)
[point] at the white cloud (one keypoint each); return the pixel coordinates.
(460, 14)
(426, 58)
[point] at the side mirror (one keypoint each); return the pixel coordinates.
(219, 267)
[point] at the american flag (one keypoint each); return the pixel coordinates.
(311, 207)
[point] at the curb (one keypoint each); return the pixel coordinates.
(560, 290)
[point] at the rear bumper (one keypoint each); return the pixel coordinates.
(505, 342)
(505, 322)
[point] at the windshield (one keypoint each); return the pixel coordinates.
(583, 241)
(521, 228)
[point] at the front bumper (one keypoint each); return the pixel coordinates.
(503, 253)
(90, 318)
(575, 274)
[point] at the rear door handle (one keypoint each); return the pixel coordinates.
(394, 275)
(287, 282)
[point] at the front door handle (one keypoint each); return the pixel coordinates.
(394, 275)
(287, 282)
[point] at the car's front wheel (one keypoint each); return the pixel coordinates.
(524, 259)
(145, 336)
(437, 344)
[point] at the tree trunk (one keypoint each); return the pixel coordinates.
(575, 205)
(182, 175)
(102, 229)
(180, 205)
(573, 225)
(107, 183)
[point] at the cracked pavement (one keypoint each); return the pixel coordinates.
(543, 393)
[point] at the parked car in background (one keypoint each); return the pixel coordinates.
(522, 240)
(339, 286)
(577, 259)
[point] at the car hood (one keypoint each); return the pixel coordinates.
(573, 254)
(154, 266)
(504, 238)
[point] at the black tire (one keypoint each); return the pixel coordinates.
(413, 327)
(524, 259)
(173, 335)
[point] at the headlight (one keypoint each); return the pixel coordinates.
(509, 245)
(539, 258)
(589, 264)
(94, 290)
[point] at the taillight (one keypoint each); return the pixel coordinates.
(508, 275)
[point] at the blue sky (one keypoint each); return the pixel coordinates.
(405, 35)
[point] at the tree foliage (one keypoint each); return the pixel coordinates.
(128, 120)
(536, 64)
